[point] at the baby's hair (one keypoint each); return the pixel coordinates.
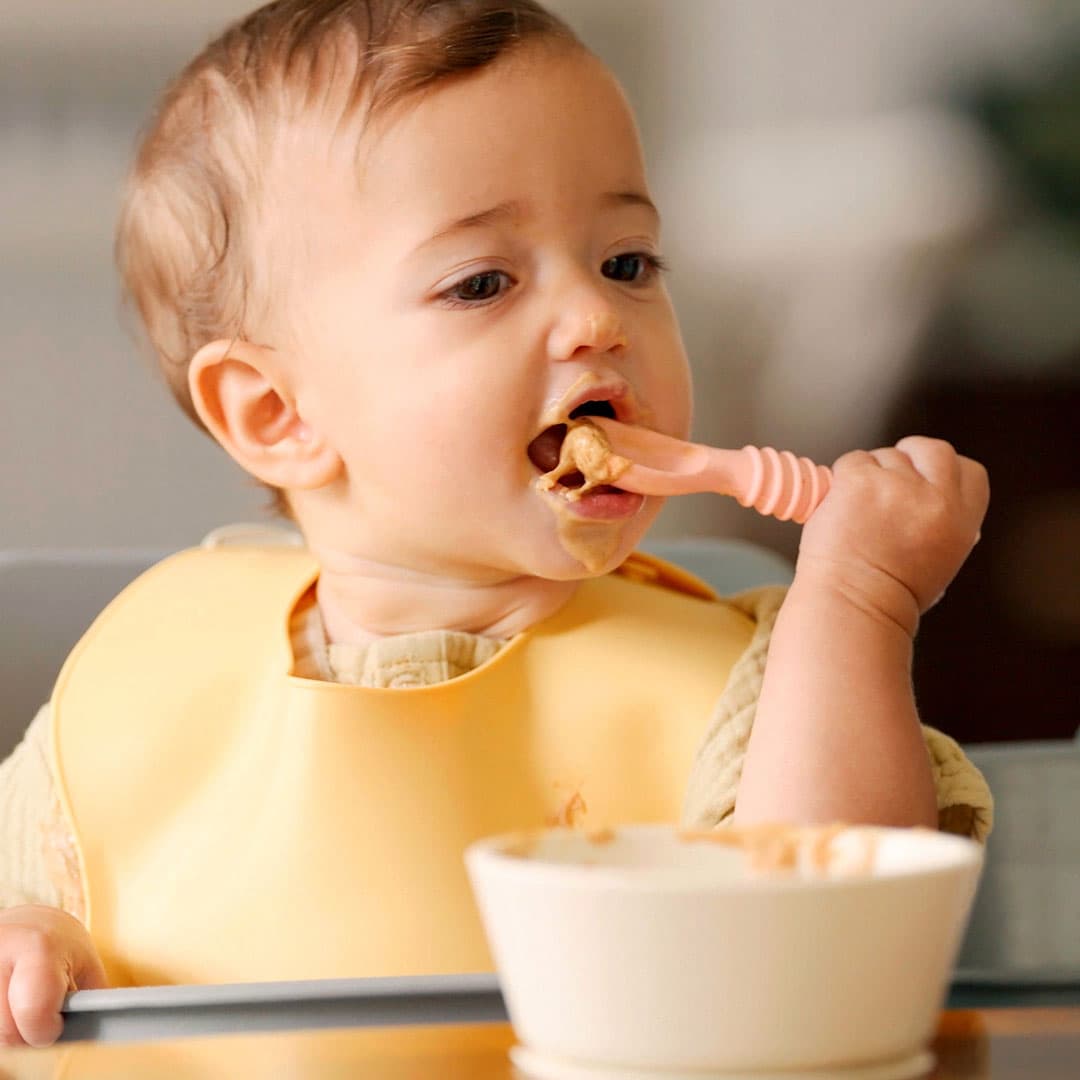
(183, 240)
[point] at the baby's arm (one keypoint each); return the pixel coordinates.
(44, 951)
(836, 736)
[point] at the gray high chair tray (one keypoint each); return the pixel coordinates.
(166, 1012)
(161, 1012)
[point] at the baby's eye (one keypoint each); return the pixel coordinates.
(635, 267)
(479, 288)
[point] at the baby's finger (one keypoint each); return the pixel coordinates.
(852, 460)
(893, 459)
(9, 1032)
(935, 459)
(974, 486)
(35, 996)
(90, 975)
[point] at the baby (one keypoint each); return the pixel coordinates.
(387, 252)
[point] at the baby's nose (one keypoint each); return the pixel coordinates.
(604, 330)
(590, 330)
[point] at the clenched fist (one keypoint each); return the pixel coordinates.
(895, 527)
(44, 954)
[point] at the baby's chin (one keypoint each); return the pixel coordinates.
(579, 548)
(569, 569)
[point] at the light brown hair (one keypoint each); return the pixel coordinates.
(183, 243)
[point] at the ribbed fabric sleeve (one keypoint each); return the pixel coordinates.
(714, 778)
(27, 799)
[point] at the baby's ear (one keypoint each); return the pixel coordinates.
(241, 394)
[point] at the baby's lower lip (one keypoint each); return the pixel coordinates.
(606, 504)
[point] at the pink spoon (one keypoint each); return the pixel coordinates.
(773, 482)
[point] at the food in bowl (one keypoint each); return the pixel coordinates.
(812, 850)
(659, 951)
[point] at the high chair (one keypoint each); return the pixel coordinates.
(1025, 927)
(49, 597)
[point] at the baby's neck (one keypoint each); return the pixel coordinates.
(361, 600)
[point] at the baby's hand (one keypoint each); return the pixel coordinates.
(895, 527)
(44, 953)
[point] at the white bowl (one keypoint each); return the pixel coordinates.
(652, 953)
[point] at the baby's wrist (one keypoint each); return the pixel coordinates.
(868, 590)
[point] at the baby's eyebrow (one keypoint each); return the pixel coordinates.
(515, 208)
(474, 221)
(631, 198)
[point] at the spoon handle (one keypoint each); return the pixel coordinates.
(773, 482)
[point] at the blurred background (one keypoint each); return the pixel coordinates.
(872, 210)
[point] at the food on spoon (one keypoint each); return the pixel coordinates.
(773, 482)
(585, 450)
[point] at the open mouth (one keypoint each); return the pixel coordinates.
(544, 451)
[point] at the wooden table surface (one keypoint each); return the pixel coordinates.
(986, 1044)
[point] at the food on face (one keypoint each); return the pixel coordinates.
(585, 452)
(575, 456)
(594, 540)
(807, 850)
(594, 544)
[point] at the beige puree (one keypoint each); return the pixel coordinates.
(586, 450)
(810, 850)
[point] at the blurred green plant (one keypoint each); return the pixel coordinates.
(1035, 126)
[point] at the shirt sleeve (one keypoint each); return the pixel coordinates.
(26, 790)
(38, 864)
(965, 805)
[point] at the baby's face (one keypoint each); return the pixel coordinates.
(488, 271)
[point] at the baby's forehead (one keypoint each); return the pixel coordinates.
(508, 133)
(480, 122)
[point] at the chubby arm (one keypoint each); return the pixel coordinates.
(836, 736)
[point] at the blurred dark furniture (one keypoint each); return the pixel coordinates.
(999, 660)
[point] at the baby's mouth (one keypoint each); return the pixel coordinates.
(545, 450)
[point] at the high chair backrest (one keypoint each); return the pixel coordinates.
(48, 598)
(728, 565)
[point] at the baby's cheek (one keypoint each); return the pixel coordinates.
(670, 402)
